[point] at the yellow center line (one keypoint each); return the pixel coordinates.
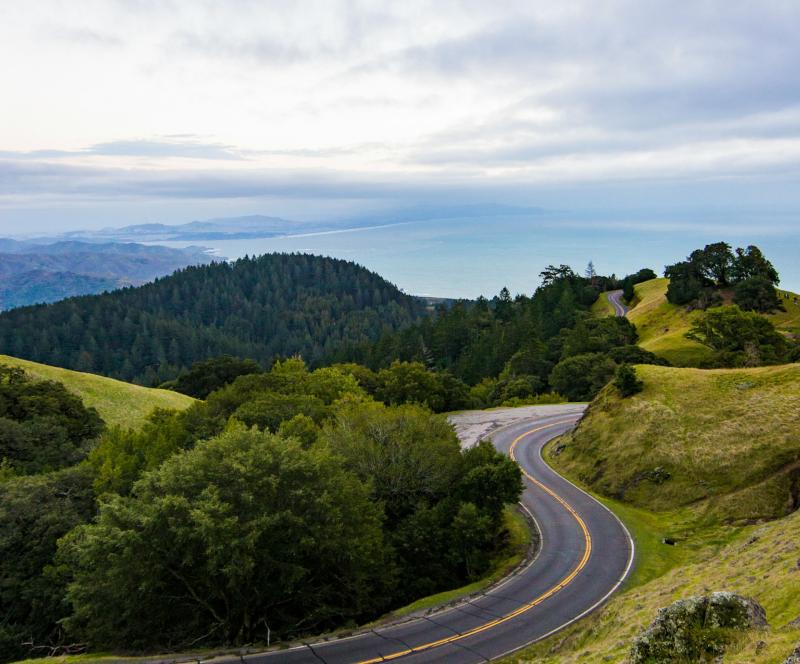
(525, 607)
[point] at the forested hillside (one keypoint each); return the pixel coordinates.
(511, 349)
(259, 308)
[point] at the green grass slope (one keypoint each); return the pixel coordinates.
(662, 326)
(757, 561)
(602, 307)
(118, 403)
(711, 460)
(724, 441)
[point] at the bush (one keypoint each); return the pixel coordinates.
(626, 381)
(580, 377)
(757, 294)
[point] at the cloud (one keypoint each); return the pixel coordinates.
(183, 146)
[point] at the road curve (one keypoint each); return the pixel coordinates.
(614, 298)
(585, 555)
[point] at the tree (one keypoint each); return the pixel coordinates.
(35, 511)
(580, 377)
(43, 426)
(686, 282)
(750, 263)
(243, 531)
(407, 453)
(628, 291)
(739, 338)
(626, 381)
(207, 376)
(757, 294)
(714, 262)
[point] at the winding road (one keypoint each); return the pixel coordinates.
(614, 298)
(585, 555)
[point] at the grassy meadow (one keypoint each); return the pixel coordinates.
(662, 326)
(117, 402)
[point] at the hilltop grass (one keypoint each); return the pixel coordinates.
(117, 402)
(730, 440)
(662, 326)
(756, 561)
(602, 307)
(725, 442)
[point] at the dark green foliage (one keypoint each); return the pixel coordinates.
(42, 425)
(598, 335)
(635, 355)
(757, 294)
(739, 338)
(207, 376)
(269, 410)
(35, 511)
(245, 530)
(645, 274)
(751, 263)
(627, 289)
(686, 283)
(714, 262)
(122, 455)
(257, 308)
(477, 340)
(626, 381)
(580, 377)
(696, 280)
(411, 382)
(442, 506)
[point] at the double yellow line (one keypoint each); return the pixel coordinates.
(525, 607)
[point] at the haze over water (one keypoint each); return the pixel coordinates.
(468, 257)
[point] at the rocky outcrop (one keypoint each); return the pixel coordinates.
(695, 628)
(794, 658)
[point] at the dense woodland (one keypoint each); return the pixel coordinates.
(333, 507)
(262, 308)
(509, 349)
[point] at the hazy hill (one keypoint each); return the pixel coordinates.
(275, 305)
(32, 272)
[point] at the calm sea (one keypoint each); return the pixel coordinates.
(478, 256)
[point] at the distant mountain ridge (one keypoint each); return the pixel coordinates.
(33, 272)
(232, 228)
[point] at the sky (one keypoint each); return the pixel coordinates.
(135, 111)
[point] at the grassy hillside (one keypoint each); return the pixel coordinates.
(662, 325)
(118, 403)
(701, 457)
(602, 307)
(726, 441)
(757, 561)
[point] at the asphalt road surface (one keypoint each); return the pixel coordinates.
(615, 298)
(585, 555)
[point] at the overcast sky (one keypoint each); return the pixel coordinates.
(131, 111)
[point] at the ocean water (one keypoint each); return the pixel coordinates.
(467, 257)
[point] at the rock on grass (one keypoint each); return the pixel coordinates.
(697, 628)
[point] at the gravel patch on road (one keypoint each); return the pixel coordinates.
(475, 425)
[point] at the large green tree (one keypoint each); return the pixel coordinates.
(244, 533)
(35, 511)
(739, 338)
